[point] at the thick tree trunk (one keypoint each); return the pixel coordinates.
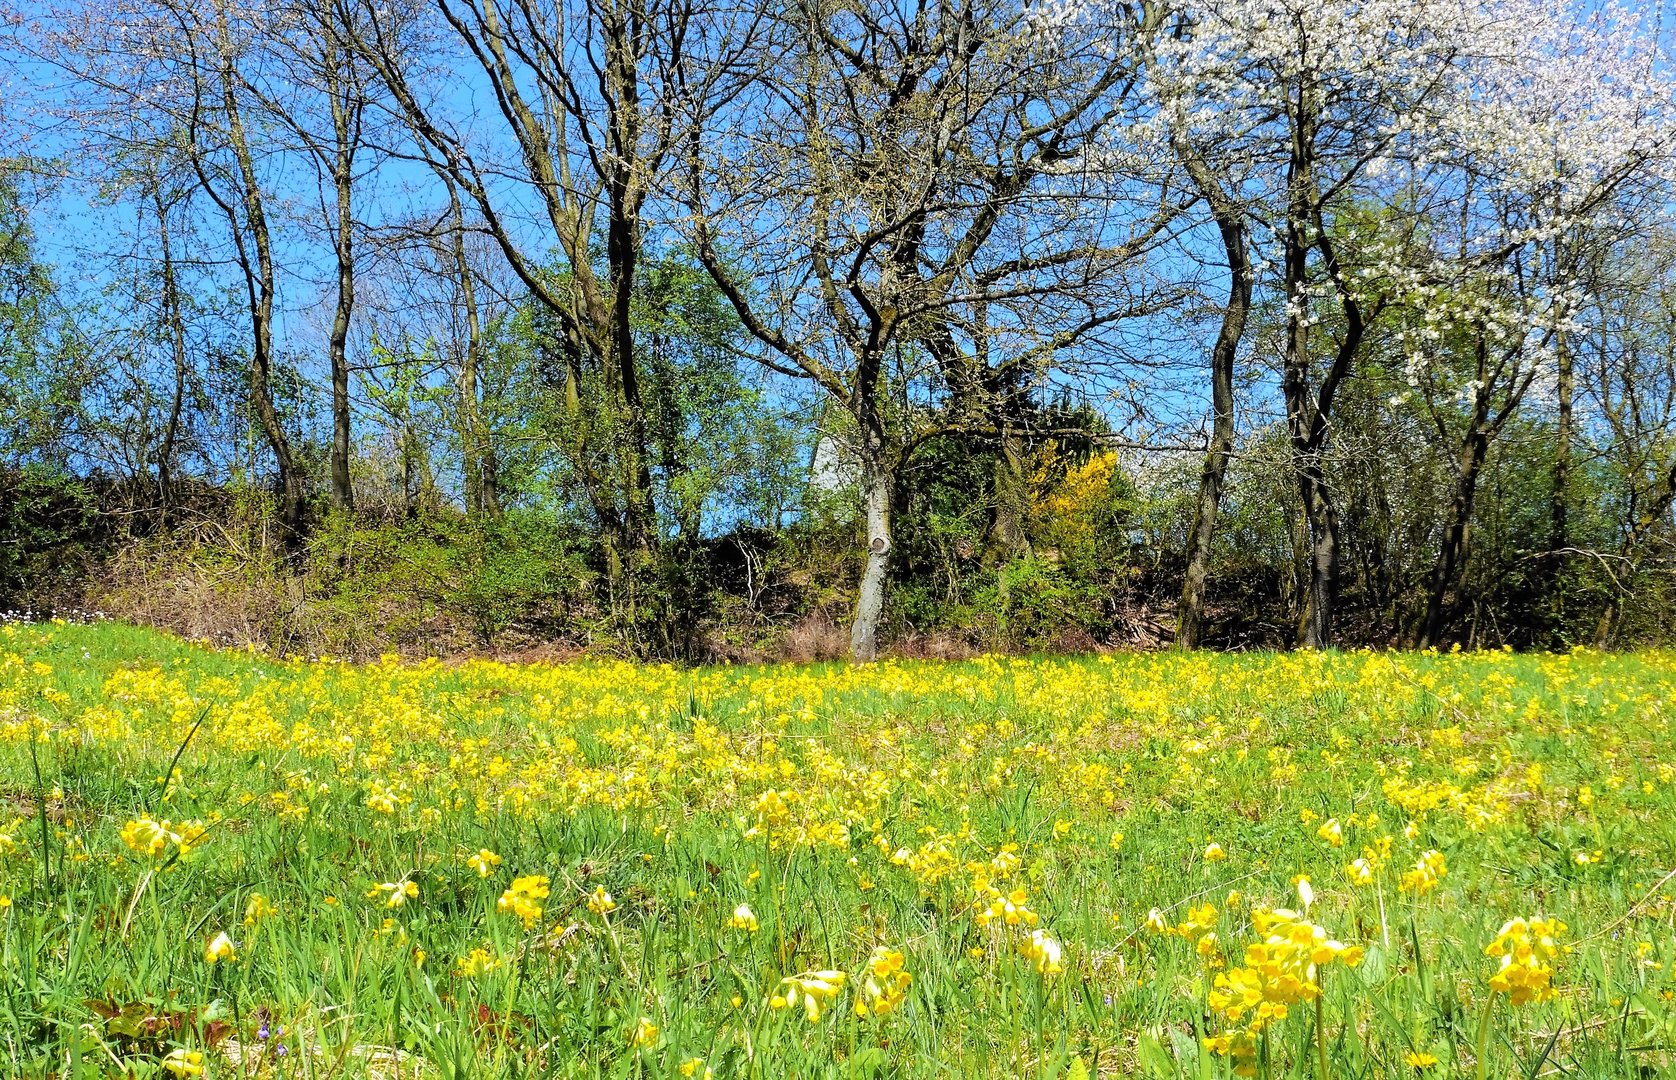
(1008, 538)
(876, 497)
(1316, 624)
(1190, 611)
(1457, 535)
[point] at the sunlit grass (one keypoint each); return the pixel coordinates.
(609, 870)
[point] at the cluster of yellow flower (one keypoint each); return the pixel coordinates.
(1427, 872)
(1280, 970)
(1527, 948)
(153, 838)
(885, 983)
(523, 898)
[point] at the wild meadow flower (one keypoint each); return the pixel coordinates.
(1012, 909)
(1044, 953)
(884, 983)
(813, 989)
(394, 893)
(220, 948)
(484, 862)
(1282, 969)
(1427, 872)
(475, 963)
(523, 898)
(148, 837)
(743, 919)
(644, 1034)
(184, 1064)
(258, 908)
(1527, 948)
(600, 901)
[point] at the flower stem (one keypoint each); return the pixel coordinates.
(1482, 1044)
(1321, 1033)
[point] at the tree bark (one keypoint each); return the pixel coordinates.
(260, 286)
(343, 245)
(876, 494)
(1457, 534)
(177, 350)
(1559, 526)
(1231, 224)
(471, 437)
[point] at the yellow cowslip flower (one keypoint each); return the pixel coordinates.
(1199, 920)
(1527, 948)
(1359, 872)
(148, 837)
(184, 1064)
(600, 902)
(885, 983)
(1116, 841)
(220, 948)
(484, 862)
(691, 1066)
(1332, 832)
(189, 835)
(744, 919)
(1013, 909)
(1214, 852)
(813, 988)
(394, 893)
(1281, 970)
(475, 963)
(523, 898)
(1426, 873)
(1044, 953)
(645, 1033)
(1156, 922)
(258, 908)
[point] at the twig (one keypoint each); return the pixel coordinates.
(1648, 895)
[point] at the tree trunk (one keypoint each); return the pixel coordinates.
(870, 595)
(343, 495)
(1457, 534)
(177, 348)
(1559, 527)
(1316, 624)
(471, 457)
(1190, 611)
(1008, 538)
(261, 286)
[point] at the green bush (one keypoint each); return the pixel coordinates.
(47, 523)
